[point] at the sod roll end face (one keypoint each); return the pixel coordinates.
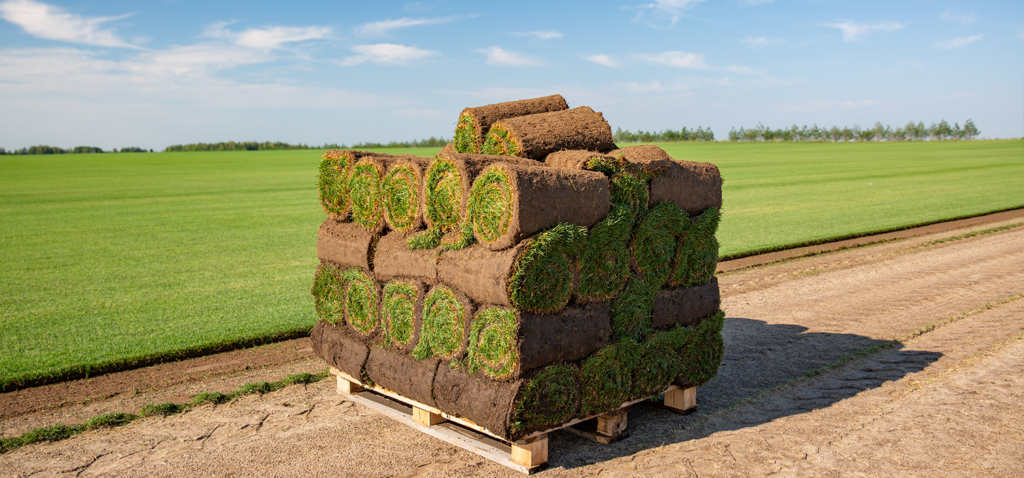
(491, 204)
(697, 255)
(360, 301)
(493, 343)
(328, 291)
(402, 189)
(402, 301)
(332, 184)
(543, 278)
(445, 313)
(606, 377)
(604, 266)
(443, 202)
(466, 134)
(474, 123)
(550, 398)
(653, 247)
(366, 194)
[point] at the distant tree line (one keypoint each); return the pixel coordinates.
(627, 136)
(424, 143)
(42, 149)
(910, 132)
(236, 146)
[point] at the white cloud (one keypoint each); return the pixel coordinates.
(755, 2)
(603, 60)
(673, 9)
(53, 23)
(266, 38)
(541, 35)
(388, 53)
(498, 56)
(954, 15)
(853, 31)
(676, 59)
(761, 42)
(958, 42)
(383, 27)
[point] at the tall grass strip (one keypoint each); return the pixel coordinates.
(604, 265)
(493, 344)
(542, 279)
(361, 300)
(398, 315)
(606, 378)
(697, 254)
(653, 247)
(327, 293)
(550, 398)
(444, 325)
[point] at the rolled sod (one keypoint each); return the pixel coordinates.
(606, 378)
(361, 300)
(394, 259)
(402, 187)
(703, 352)
(449, 179)
(660, 363)
(327, 293)
(481, 274)
(401, 313)
(538, 135)
(604, 266)
(346, 244)
(632, 311)
(487, 403)
(544, 276)
(474, 123)
(685, 305)
(582, 159)
(510, 202)
(332, 183)
(630, 189)
(366, 192)
(339, 349)
(646, 157)
(653, 247)
(505, 344)
(697, 254)
(549, 397)
(403, 374)
(447, 315)
(691, 186)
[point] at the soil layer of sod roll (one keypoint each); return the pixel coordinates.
(366, 192)
(536, 136)
(449, 179)
(685, 305)
(361, 302)
(339, 349)
(606, 378)
(474, 123)
(487, 403)
(697, 254)
(510, 202)
(394, 259)
(332, 183)
(328, 291)
(646, 157)
(346, 244)
(582, 159)
(447, 315)
(702, 353)
(480, 273)
(402, 187)
(692, 186)
(401, 313)
(505, 344)
(549, 397)
(403, 374)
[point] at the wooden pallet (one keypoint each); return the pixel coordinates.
(528, 454)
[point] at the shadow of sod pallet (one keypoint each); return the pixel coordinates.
(528, 454)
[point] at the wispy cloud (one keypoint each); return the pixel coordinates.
(676, 59)
(53, 23)
(382, 28)
(854, 31)
(386, 53)
(671, 9)
(762, 41)
(958, 42)
(603, 60)
(266, 38)
(955, 15)
(498, 56)
(541, 35)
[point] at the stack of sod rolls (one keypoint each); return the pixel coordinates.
(552, 278)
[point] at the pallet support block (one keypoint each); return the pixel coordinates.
(346, 386)
(612, 424)
(681, 400)
(426, 417)
(531, 451)
(605, 429)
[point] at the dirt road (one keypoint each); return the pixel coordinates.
(813, 383)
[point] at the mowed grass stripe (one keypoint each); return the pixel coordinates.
(125, 258)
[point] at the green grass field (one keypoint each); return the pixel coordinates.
(121, 258)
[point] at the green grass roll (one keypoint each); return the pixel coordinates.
(401, 313)
(548, 398)
(361, 300)
(447, 315)
(697, 255)
(606, 378)
(402, 187)
(474, 123)
(327, 291)
(538, 135)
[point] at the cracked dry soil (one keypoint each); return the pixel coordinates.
(946, 400)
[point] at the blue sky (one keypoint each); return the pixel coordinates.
(155, 73)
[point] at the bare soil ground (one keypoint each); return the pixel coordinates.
(946, 398)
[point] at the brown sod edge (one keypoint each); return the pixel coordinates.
(481, 274)
(577, 159)
(403, 374)
(484, 116)
(727, 263)
(487, 403)
(346, 244)
(685, 305)
(540, 197)
(647, 157)
(394, 259)
(693, 187)
(339, 349)
(536, 136)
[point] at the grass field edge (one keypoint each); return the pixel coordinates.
(857, 235)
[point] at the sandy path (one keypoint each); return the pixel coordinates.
(946, 402)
